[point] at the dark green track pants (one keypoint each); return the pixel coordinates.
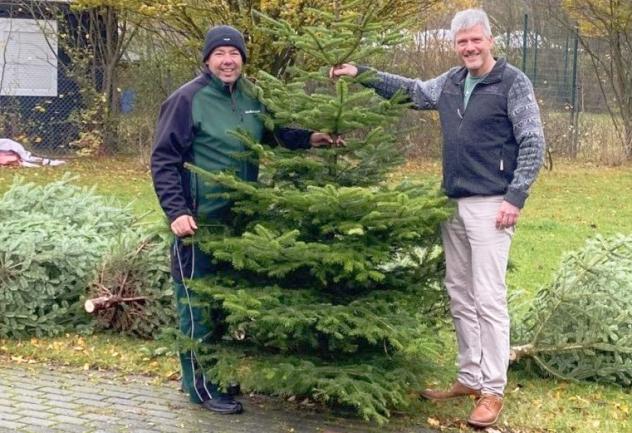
(188, 262)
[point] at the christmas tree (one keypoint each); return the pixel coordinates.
(579, 327)
(328, 281)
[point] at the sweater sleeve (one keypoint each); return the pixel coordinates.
(524, 114)
(172, 142)
(423, 94)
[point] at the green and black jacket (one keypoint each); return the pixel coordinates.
(193, 126)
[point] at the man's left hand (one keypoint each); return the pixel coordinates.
(321, 139)
(507, 215)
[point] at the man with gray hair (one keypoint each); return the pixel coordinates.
(493, 147)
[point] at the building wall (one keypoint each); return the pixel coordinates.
(37, 98)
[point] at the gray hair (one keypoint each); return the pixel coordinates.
(469, 18)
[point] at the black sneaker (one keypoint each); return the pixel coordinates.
(224, 405)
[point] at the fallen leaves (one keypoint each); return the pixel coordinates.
(433, 422)
(92, 352)
(21, 360)
(444, 424)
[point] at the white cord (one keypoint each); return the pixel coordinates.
(186, 289)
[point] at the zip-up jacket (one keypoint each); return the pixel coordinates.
(495, 145)
(193, 126)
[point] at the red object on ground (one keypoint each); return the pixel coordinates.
(10, 158)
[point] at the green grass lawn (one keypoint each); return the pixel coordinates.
(566, 206)
(121, 177)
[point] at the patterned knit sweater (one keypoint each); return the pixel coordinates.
(495, 145)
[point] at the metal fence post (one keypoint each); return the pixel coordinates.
(508, 43)
(535, 59)
(524, 43)
(574, 108)
(565, 75)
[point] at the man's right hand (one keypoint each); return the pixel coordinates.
(344, 69)
(183, 226)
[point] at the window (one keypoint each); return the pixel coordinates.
(28, 57)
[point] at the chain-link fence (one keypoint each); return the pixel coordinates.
(43, 124)
(39, 99)
(549, 56)
(577, 104)
(575, 112)
(45, 100)
(572, 100)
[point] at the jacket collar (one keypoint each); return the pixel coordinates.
(494, 76)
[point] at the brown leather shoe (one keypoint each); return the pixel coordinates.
(457, 390)
(487, 411)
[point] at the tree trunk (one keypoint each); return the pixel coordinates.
(627, 125)
(518, 352)
(104, 302)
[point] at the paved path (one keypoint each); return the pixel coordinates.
(39, 399)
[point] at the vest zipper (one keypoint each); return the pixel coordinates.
(461, 110)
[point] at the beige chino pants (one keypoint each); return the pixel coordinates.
(476, 262)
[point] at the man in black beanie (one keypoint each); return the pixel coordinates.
(224, 35)
(193, 126)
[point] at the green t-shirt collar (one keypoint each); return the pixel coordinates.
(470, 84)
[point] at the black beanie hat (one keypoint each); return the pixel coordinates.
(219, 36)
